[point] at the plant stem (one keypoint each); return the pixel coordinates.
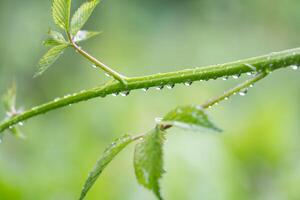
(97, 63)
(268, 62)
(235, 90)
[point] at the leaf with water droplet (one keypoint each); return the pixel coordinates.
(148, 160)
(109, 154)
(192, 117)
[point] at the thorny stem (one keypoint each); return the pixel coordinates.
(268, 62)
(97, 63)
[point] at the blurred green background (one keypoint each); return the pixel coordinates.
(256, 157)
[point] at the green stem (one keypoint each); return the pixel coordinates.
(239, 88)
(97, 63)
(268, 62)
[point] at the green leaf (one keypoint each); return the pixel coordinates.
(84, 35)
(9, 98)
(49, 58)
(148, 160)
(82, 15)
(61, 13)
(55, 39)
(108, 155)
(189, 117)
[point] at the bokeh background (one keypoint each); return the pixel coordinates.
(257, 155)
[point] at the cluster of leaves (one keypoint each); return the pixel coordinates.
(71, 27)
(148, 153)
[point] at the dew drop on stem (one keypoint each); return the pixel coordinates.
(158, 119)
(115, 94)
(94, 66)
(243, 92)
(236, 76)
(160, 87)
(170, 86)
(145, 89)
(188, 83)
(225, 78)
(294, 67)
(125, 93)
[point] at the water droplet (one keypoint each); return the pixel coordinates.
(226, 98)
(294, 67)
(125, 93)
(160, 87)
(115, 94)
(243, 92)
(21, 123)
(145, 89)
(189, 83)
(170, 86)
(158, 119)
(108, 75)
(236, 76)
(249, 73)
(56, 99)
(251, 85)
(94, 66)
(225, 78)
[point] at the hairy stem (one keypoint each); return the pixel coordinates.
(268, 62)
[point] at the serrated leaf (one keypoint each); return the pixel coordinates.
(108, 155)
(9, 98)
(189, 117)
(49, 58)
(82, 15)
(61, 13)
(55, 39)
(148, 160)
(84, 35)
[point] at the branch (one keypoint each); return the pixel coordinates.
(265, 63)
(241, 88)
